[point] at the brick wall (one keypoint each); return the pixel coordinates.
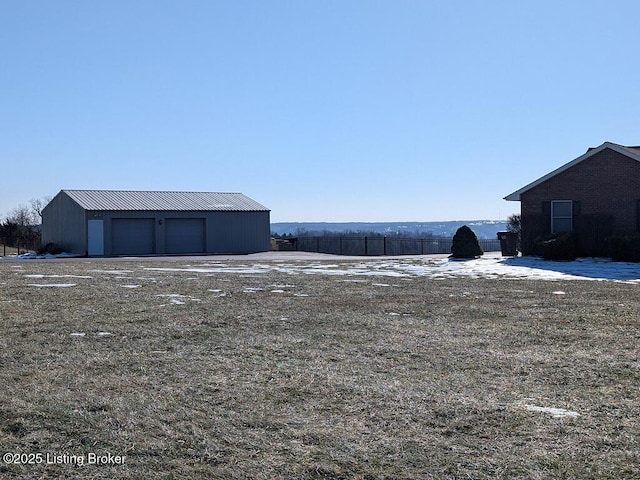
(608, 183)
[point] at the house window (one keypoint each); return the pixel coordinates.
(561, 216)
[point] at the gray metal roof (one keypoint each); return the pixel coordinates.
(150, 200)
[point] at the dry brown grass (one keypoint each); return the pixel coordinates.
(418, 379)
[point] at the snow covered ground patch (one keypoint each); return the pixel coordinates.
(39, 275)
(39, 256)
(555, 412)
(490, 265)
(495, 266)
(177, 299)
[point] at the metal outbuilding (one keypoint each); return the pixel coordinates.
(110, 222)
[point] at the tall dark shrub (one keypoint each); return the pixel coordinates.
(514, 225)
(560, 246)
(534, 231)
(465, 244)
(624, 248)
(593, 232)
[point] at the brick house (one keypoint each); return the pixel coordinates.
(595, 195)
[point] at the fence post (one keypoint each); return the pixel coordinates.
(384, 245)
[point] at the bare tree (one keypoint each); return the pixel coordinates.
(37, 205)
(21, 227)
(28, 231)
(22, 215)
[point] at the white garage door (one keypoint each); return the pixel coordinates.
(185, 235)
(133, 236)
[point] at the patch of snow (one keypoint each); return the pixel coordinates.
(555, 412)
(98, 334)
(225, 269)
(218, 291)
(491, 265)
(277, 291)
(39, 275)
(177, 299)
(43, 285)
(37, 256)
(131, 286)
(559, 292)
(112, 272)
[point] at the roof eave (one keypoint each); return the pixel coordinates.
(515, 196)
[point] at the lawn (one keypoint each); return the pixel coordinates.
(235, 373)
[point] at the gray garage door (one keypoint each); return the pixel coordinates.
(184, 235)
(133, 236)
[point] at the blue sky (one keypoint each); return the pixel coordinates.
(321, 111)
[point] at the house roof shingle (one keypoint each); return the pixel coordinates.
(157, 200)
(631, 152)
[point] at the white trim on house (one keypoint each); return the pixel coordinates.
(629, 152)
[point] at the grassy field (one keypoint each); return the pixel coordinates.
(273, 375)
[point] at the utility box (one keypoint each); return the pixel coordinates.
(508, 243)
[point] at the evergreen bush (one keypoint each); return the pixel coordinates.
(465, 244)
(623, 248)
(52, 248)
(560, 246)
(593, 232)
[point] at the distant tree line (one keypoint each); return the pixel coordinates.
(21, 228)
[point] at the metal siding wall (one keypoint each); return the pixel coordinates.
(65, 222)
(238, 232)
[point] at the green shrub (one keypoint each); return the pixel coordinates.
(560, 246)
(465, 244)
(623, 248)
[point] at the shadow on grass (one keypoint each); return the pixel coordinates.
(593, 268)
